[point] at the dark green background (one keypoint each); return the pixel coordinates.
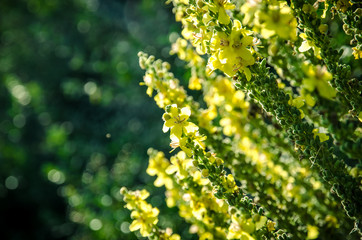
(74, 123)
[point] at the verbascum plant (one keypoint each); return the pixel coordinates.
(273, 149)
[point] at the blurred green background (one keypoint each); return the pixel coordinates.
(74, 123)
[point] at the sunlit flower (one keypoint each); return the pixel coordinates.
(176, 120)
(230, 52)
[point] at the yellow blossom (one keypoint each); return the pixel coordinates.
(312, 232)
(357, 53)
(277, 20)
(230, 52)
(318, 78)
(322, 136)
(270, 226)
(135, 197)
(157, 166)
(220, 7)
(241, 228)
(176, 119)
(306, 45)
(145, 220)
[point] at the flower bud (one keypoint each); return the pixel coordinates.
(219, 161)
(323, 28)
(205, 172)
(307, 8)
(123, 190)
(166, 116)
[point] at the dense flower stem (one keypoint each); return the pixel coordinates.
(263, 88)
(349, 88)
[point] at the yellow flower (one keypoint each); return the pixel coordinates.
(177, 120)
(145, 220)
(357, 53)
(180, 165)
(259, 221)
(241, 228)
(318, 78)
(230, 52)
(306, 45)
(157, 166)
(229, 183)
(270, 226)
(220, 7)
(312, 232)
(148, 80)
(298, 103)
(195, 83)
(134, 197)
(322, 136)
(278, 20)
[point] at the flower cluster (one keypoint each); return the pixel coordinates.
(145, 216)
(271, 149)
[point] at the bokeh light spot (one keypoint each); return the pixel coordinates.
(19, 121)
(44, 118)
(122, 67)
(83, 26)
(106, 200)
(11, 183)
(75, 200)
(95, 224)
(90, 88)
(125, 227)
(56, 176)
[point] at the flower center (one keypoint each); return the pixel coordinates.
(224, 42)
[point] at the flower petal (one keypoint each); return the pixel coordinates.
(135, 225)
(177, 131)
(170, 123)
(304, 47)
(186, 111)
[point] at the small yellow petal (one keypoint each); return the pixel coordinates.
(304, 47)
(135, 225)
